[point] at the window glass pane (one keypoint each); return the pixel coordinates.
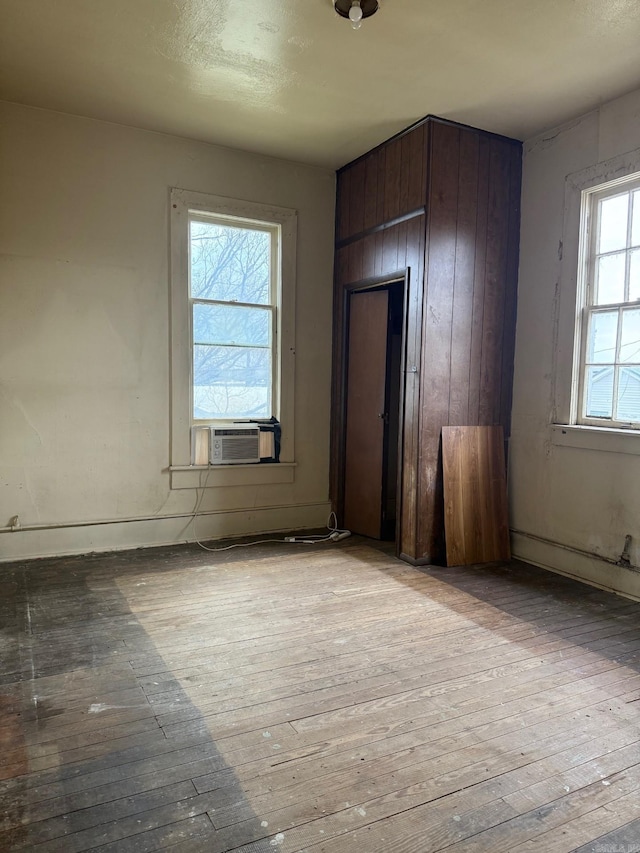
(231, 382)
(613, 223)
(229, 264)
(634, 275)
(610, 279)
(635, 221)
(628, 408)
(630, 337)
(599, 392)
(231, 324)
(603, 332)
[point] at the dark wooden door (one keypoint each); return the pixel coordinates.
(365, 415)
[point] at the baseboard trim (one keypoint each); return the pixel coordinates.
(556, 557)
(115, 535)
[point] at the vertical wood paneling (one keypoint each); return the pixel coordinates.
(342, 258)
(406, 154)
(356, 198)
(389, 250)
(342, 204)
(355, 255)
(513, 246)
(369, 256)
(442, 207)
(495, 284)
(475, 362)
(336, 443)
(418, 171)
(461, 305)
(462, 317)
(413, 170)
(409, 486)
(403, 230)
(371, 190)
(381, 157)
(379, 253)
(391, 207)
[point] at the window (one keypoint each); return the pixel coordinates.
(232, 317)
(609, 388)
(233, 295)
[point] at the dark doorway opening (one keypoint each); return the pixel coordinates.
(374, 368)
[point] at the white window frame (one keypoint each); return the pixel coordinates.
(186, 204)
(566, 429)
(274, 230)
(586, 292)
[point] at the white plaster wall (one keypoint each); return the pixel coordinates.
(84, 333)
(584, 498)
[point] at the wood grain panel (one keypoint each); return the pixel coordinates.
(475, 361)
(462, 315)
(513, 250)
(377, 253)
(413, 192)
(371, 190)
(410, 479)
(355, 261)
(495, 283)
(356, 197)
(366, 382)
(337, 403)
(436, 331)
(342, 266)
(475, 495)
(390, 250)
(393, 167)
(343, 191)
(402, 247)
(381, 158)
(369, 256)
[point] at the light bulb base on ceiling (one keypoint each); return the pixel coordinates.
(367, 8)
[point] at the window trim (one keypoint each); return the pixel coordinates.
(182, 204)
(586, 292)
(568, 315)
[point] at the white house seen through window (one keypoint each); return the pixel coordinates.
(233, 291)
(610, 383)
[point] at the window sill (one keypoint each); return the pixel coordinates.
(603, 439)
(220, 476)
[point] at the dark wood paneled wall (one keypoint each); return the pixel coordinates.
(470, 294)
(440, 201)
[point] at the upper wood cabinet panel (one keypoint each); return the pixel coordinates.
(385, 184)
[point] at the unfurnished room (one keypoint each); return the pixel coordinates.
(320, 426)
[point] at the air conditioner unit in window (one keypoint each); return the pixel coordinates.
(234, 444)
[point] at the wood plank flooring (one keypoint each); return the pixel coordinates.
(327, 699)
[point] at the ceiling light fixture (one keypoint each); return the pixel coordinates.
(356, 10)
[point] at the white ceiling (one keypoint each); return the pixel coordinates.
(290, 79)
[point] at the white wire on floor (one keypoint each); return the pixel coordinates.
(334, 533)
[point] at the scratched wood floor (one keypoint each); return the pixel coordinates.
(320, 698)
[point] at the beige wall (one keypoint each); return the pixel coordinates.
(580, 491)
(84, 335)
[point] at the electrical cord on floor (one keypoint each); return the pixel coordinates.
(335, 534)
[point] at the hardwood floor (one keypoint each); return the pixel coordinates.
(320, 698)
